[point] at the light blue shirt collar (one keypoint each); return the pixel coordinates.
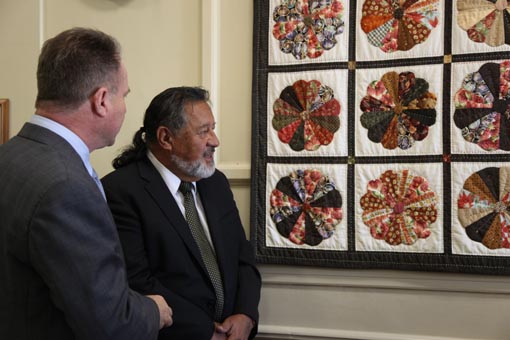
(78, 145)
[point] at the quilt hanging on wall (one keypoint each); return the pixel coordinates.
(381, 134)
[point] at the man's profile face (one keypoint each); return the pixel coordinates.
(194, 145)
(117, 103)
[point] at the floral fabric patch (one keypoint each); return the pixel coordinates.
(306, 207)
(399, 207)
(485, 21)
(482, 107)
(398, 110)
(306, 115)
(484, 207)
(395, 25)
(307, 28)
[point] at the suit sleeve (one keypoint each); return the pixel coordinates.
(74, 246)
(248, 290)
(190, 321)
(249, 280)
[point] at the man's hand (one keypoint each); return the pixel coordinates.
(235, 327)
(165, 312)
(218, 335)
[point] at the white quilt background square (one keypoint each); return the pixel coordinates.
(432, 172)
(337, 174)
(432, 46)
(337, 80)
(338, 53)
(458, 144)
(461, 243)
(432, 144)
(461, 44)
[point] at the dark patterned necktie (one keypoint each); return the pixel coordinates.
(206, 250)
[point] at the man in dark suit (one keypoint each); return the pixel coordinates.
(62, 274)
(164, 252)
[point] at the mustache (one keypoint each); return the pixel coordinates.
(209, 152)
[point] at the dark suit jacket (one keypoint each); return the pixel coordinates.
(162, 257)
(62, 273)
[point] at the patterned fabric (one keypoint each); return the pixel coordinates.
(306, 115)
(398, 25)
(483, 107)
(206, 249)
(306, 207)
(398, 110)
(399, 207)
(485, 21)
(484, 207)
(306, 28)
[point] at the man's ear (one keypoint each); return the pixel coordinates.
(98, 101)
(164, 137)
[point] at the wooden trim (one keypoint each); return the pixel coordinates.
(4, 120)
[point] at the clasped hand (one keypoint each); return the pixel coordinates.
(235, 327)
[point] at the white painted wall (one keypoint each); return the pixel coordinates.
(209, 42)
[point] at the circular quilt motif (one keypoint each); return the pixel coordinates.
(396, 25)
(306, 28)
(484, 207)
(306, 207)
(482, 107)
(398, 110)
(485, 21)
(306, 115)
(399, 207)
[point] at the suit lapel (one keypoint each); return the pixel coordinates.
(162, 197)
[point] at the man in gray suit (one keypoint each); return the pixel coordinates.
(62, 274)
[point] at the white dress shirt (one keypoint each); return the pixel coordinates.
(173, 182)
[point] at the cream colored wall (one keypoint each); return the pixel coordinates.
(19, 47)
(161, 42)
(168, 43)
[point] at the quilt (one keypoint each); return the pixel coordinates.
(381, 134)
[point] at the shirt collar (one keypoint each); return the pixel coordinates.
(171, 180)
(76, 142)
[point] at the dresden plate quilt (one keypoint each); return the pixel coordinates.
(381, 134)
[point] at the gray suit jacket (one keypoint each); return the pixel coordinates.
(62, 273)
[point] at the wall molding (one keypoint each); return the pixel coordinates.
(211, 78)
(271, 332)
(284, 276)
(235, 171)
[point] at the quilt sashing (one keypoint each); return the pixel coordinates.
(381, 134)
